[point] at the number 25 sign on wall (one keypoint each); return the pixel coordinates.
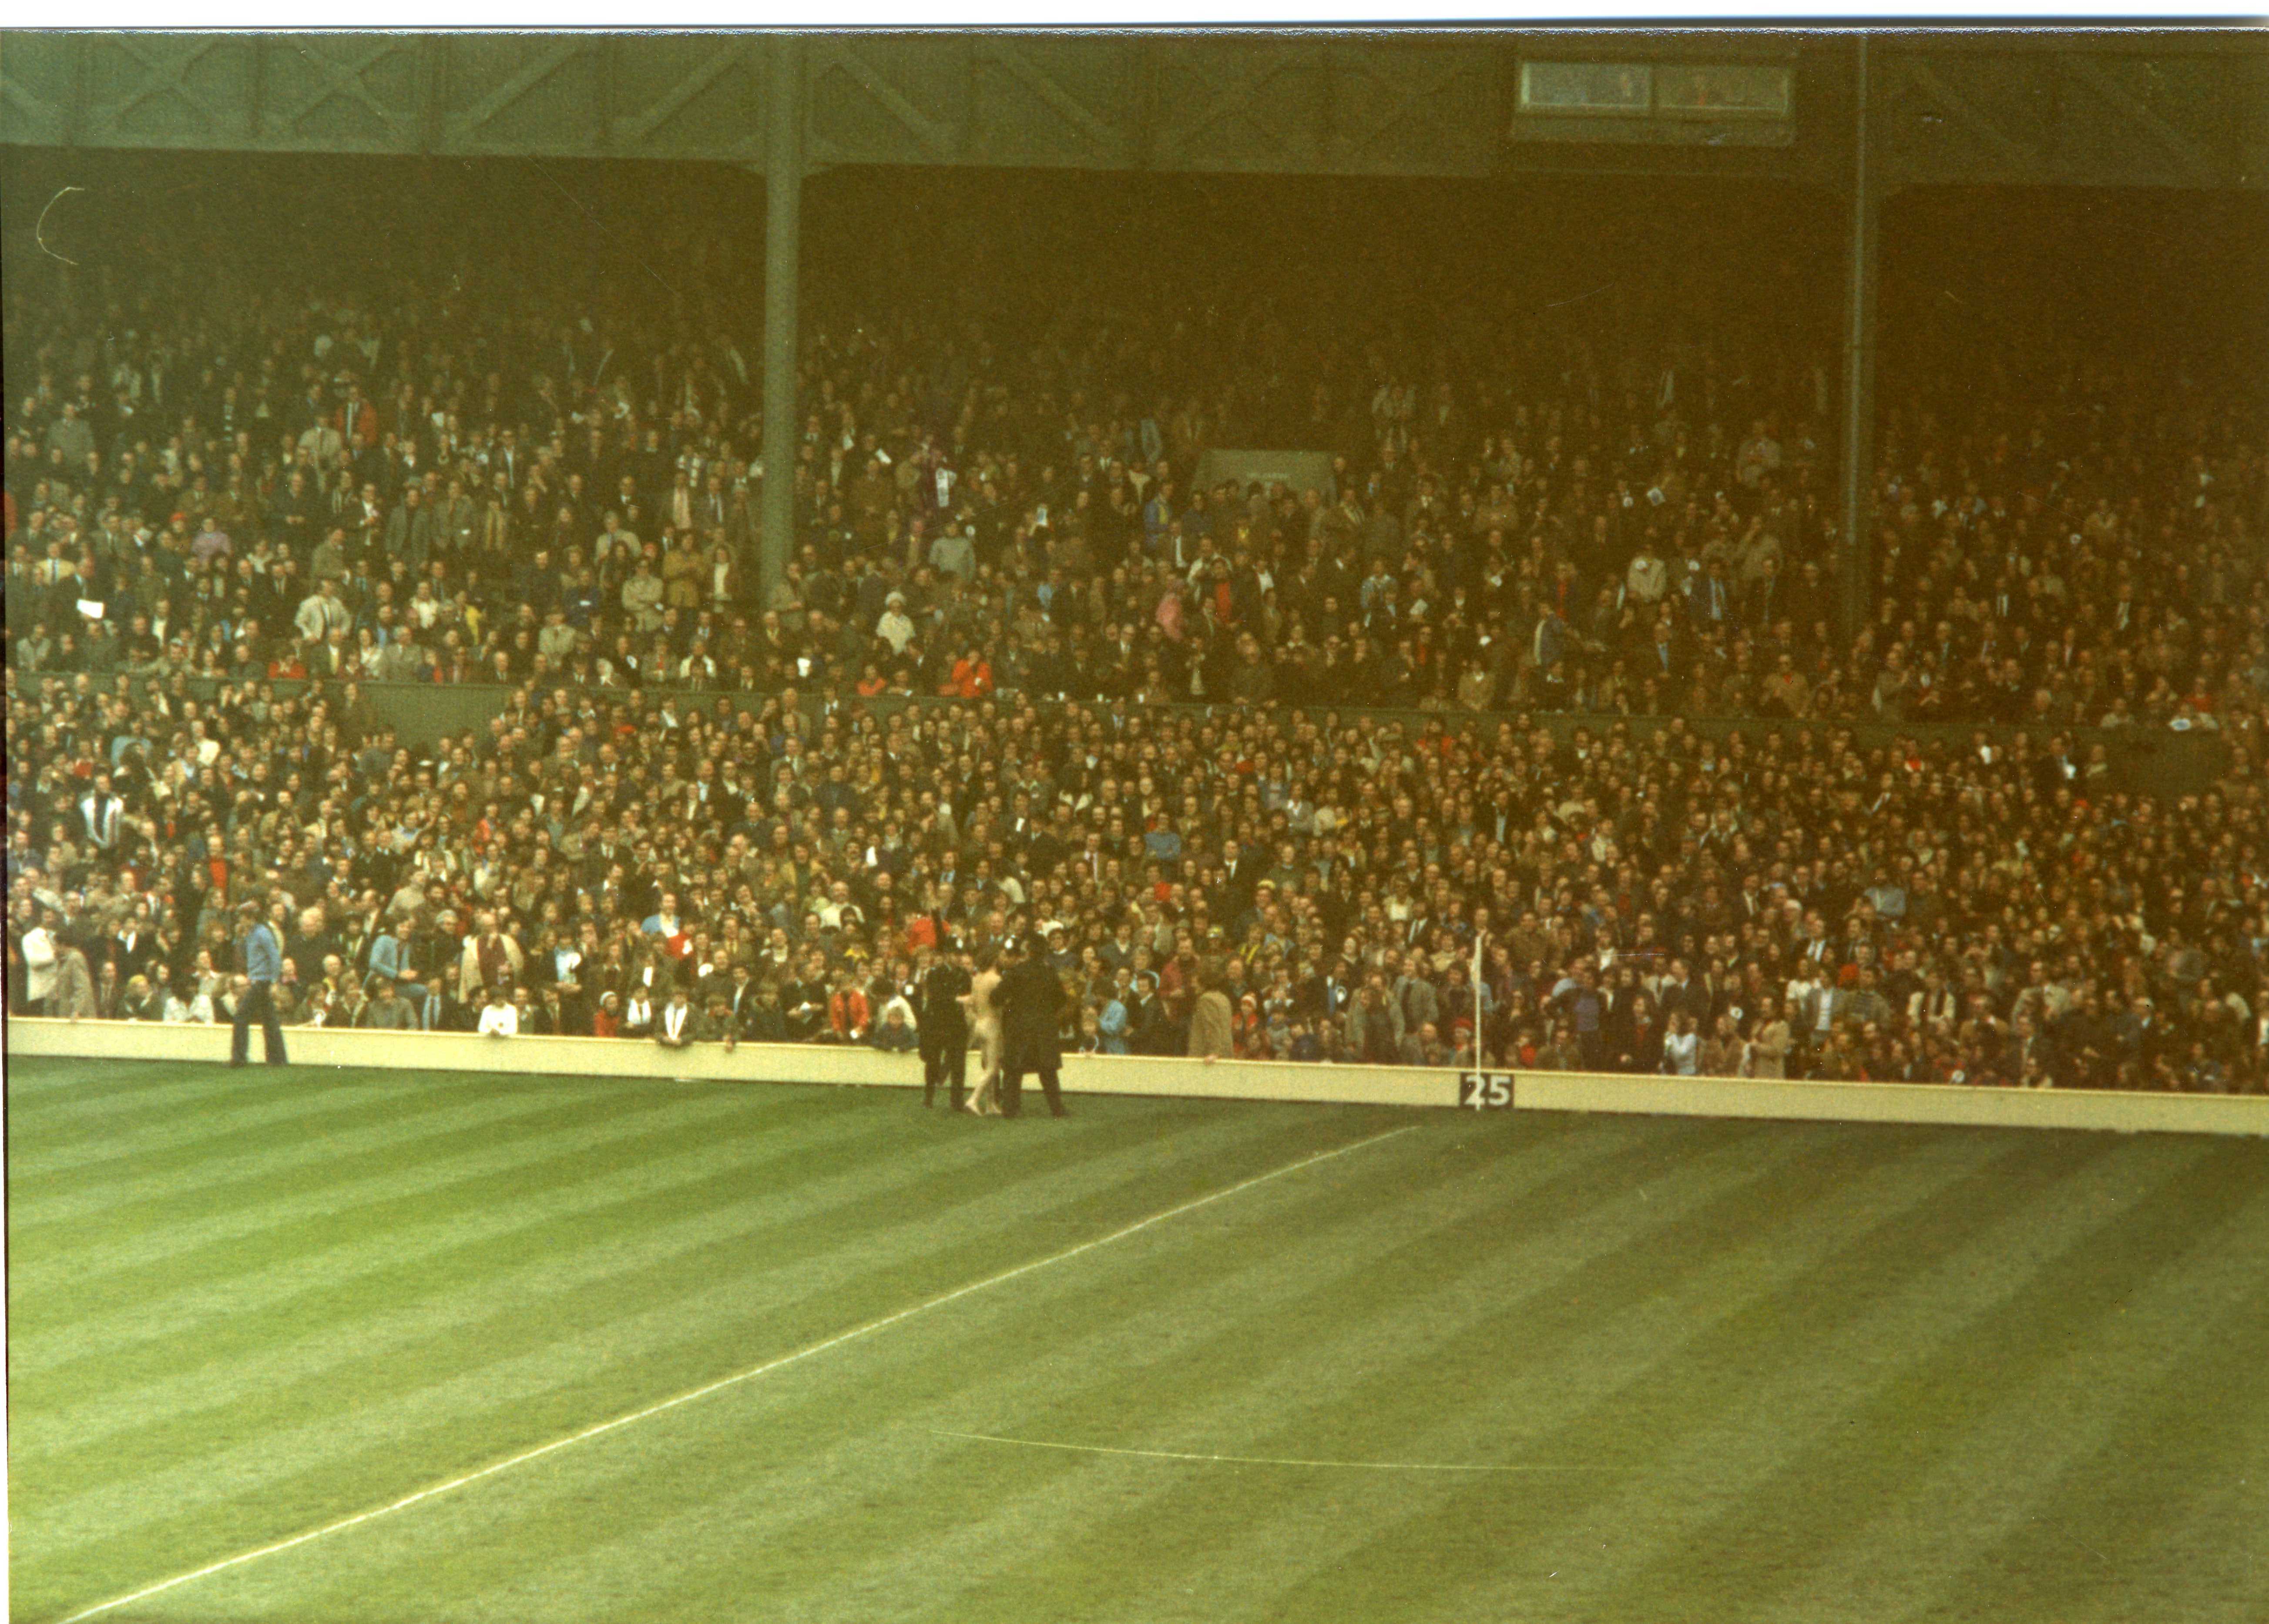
(1485, 1091)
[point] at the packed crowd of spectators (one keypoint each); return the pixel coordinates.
(699, 783)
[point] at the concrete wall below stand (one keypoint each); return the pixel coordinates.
(1939, 1103)
(792, 1063)
(1351, 1085)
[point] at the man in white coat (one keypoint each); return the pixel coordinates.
(40, 953)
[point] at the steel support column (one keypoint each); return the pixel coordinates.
(783, 242)
(1856, 567)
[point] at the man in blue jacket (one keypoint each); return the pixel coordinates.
(263, 963)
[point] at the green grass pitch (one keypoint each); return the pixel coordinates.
(1751, 1372)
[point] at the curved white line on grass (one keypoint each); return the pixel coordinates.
(750, 1375)
(1260, 1460)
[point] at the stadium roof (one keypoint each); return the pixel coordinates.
(2184, 108)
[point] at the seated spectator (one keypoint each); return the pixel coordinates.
(678, 1027)
(140, 1003)
(499, 1016)
(895, 1032)
(186, 1004)
(848, 1014)
(1248, 1034)
(385, 1010)
(395, 959)
(717, 1024)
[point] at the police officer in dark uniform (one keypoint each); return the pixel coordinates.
(944, 1020)
(1029, 998)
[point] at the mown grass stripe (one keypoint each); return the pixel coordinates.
(800, 1432)
(1440, 1388)
(473, 1219)
(47, 1083)
(154, 1099)
(558, 1225)
(886, 1375)
(170, 1245)
(1215, 1321)
(199, 1232)
(1976, 1436)
(359, 1296)
(1926, 1403)
(194, 1135)
(1043, 1522)
(1424, 1350)
(451, 1395)
(553, 1229)
(608, 1243)
(1756, 1389)
(1357, 1303)
(2191, 1534)
(368, 1124)
(1274, 1539)
(42, 1160)
(755, 1372)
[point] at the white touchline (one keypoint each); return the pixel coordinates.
(750, 1375)
(1257, 1460)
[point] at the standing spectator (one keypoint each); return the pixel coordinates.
(1681, 1049)
(1212, 1023)
(1720, 1054)
(263, 967)
(490, 959)
(1768, 1043)
(39, 955)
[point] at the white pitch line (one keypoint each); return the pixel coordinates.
(1260, 1460)
(750, 1375)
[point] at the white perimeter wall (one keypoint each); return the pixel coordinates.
(1353, 1085)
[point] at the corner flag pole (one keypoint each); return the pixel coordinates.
(1479, 1063)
